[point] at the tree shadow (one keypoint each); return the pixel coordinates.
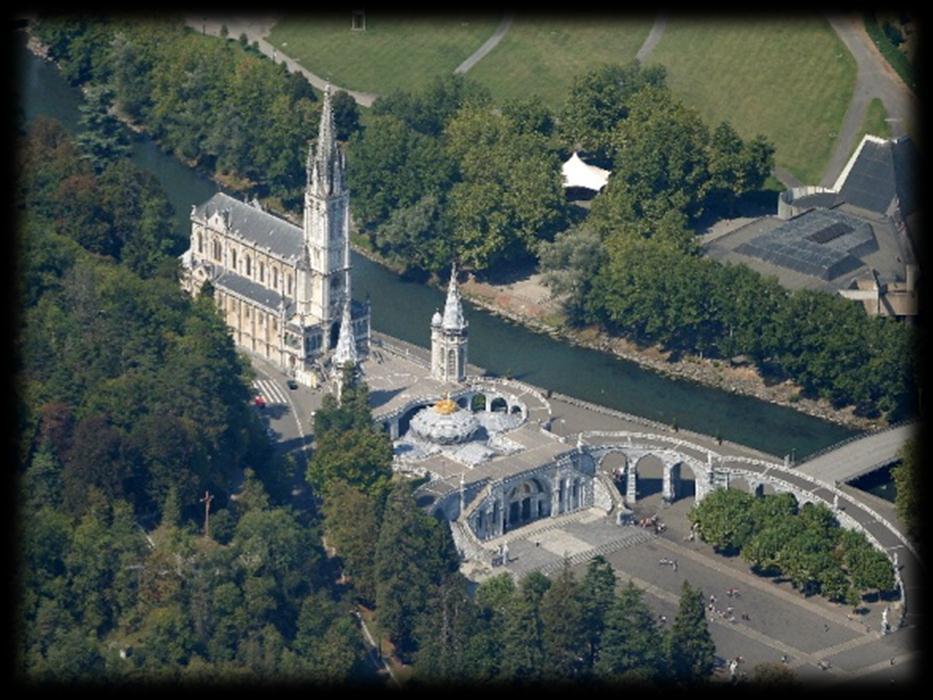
(380, 397)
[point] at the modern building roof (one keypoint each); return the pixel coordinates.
(824, 243)
(576, 173)
(279, 237)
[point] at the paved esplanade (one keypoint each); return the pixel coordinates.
(854, 459)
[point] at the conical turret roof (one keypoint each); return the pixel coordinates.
(346, 343)
(453, 309)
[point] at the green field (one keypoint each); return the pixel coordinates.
(541, 55)
(874, 122)
(394, 52)
(790, 80)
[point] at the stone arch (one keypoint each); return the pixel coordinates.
(526, 501)
(463, 402)
(498, 405)
(478, 402)
(515, 408)
(649, 468)
(740, 482)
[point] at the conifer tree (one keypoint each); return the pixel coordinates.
(632, 648)
(691, 651)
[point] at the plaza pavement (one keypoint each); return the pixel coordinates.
(781, 621)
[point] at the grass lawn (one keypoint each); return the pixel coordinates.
(874, 123)
(541, 55)
(789, 79)
(394, 52)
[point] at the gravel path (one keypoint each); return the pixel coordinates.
(875, 78)
(487, 46)
(256, 29)
(654, 36)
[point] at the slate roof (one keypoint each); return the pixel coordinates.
(881, 172)
(266, 231)
(256, 293)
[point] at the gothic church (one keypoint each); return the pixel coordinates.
(283, 290)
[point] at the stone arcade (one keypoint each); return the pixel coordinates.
(284, 290)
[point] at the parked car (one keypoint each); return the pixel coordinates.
(259, 402)
(292, 384)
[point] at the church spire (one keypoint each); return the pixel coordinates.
(346, 343)
(453, 309)
(325, 165)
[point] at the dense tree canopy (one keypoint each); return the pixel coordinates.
(807, 545)
(132, 401)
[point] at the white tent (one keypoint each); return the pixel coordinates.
(578, 174)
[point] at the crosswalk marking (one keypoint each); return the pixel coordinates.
(270, 391)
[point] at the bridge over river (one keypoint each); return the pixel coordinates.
(857, 457)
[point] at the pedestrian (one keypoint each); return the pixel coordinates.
(675, 565)
(729, 611)
(783, 658)
(825, 627)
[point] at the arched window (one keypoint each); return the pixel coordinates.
(262, 272)
(249, 266)
(288, 279)
(233, 258)
(275, 278)
(218, 251)
(200, 243)
(451, 362)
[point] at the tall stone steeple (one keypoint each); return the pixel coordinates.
(326, 226)
(346, 353)
(449, 337)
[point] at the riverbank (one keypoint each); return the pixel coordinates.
(528, 303)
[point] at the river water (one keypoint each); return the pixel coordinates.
(403, 309)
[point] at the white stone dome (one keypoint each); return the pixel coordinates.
(444, 423)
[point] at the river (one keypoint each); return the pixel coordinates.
(403, 309)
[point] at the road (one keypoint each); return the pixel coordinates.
(875, 78)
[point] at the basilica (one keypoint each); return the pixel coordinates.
(283, 290)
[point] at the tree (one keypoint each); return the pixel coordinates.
(417, 237)
(351, 521)
(722, 518)
(510, 196)
(597, 593)
(570, 264)
(774, 675)
(103, 138)
(907, 483)
(454, 644)
(413, 553)
(360, 457)
(390, 166)
(660, 149)
(599, 100)
(691, 652)
(346, 115)
(523, 654)
(564, 634)
(632, 645)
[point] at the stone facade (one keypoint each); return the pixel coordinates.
(283, 290)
